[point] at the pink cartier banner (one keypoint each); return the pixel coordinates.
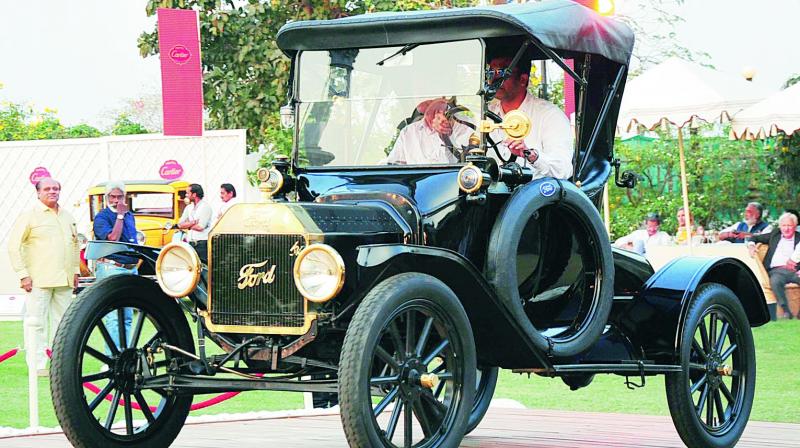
(181, 72)
(569, 91)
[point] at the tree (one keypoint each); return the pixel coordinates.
(125, 126)
(244, 73)
(654, 22)
(723, 175)
(18, 122)
(794, 79)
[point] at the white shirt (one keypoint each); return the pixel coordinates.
(418, 144)
(202, 213)
(225, 206)
(646, 241)
(783, 251)
(551, 136)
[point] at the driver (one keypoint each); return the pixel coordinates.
(548, 149)
(434, 139)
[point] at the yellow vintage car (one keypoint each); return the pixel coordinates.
(156, 204)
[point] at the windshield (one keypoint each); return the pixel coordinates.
(368, 106)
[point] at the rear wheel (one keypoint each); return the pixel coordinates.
(486, 380)
(96, 371)
(407, 371)
(711, 397)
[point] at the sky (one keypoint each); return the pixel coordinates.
(80, 57)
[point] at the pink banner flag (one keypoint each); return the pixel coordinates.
(569, 91)
(181, 72)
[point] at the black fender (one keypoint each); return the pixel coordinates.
(655, 319)
(557, 212)
(100, 248)
(499, 338)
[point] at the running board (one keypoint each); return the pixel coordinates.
(191, 385)
(628, 368)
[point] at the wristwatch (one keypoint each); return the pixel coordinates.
(531, 153)
(120, 216)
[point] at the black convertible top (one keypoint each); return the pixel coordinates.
(558, 24)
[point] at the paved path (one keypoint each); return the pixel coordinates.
(502, 428)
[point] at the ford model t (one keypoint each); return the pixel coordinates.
(404, 287)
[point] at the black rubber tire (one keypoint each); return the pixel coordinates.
(483, 395)
(389, 300)
(75, 417)
(718, 303)
(504, 240)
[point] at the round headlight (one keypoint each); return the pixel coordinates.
(275, 180)
(178, 269)
(139, 237)
(271, 180)
(470, 179)
(319, 272)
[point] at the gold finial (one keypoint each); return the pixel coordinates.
(516, 124)
(474, 140)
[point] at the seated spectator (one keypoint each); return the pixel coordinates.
(681, 236)
(753, 224)
(641, 240)
(795, 213)
(783, 245)
(430, 140)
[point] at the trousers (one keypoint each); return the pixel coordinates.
(44, 308)
(110, 320)
(779, 277)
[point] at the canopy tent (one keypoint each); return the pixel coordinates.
(778, 113)
(679, 92)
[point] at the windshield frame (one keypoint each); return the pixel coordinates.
(295, 94)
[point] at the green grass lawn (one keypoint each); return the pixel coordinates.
(777, 399)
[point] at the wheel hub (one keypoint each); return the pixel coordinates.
(412, 375)
(715, 369)
(125, 369)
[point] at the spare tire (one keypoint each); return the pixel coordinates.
(578, 220)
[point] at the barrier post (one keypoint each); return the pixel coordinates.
(33, 393)
(308, 398)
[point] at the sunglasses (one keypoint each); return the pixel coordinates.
(493, 73)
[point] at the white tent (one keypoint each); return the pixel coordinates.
(778, 113)
(679, 91)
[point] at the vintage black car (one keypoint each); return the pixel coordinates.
(404, 288)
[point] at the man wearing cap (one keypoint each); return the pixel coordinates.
(752, 225)
(116, 223)
(640, 240)
(44, 252)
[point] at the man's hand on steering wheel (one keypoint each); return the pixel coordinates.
(520, 149)
(441, 125)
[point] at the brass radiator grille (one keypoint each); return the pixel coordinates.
(252, 282)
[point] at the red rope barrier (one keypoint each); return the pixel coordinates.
(195, 406)
(8, 354)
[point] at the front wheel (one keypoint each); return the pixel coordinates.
(407, 371)
(711, 397)
(100, 354)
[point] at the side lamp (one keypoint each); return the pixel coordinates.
(287, 116)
